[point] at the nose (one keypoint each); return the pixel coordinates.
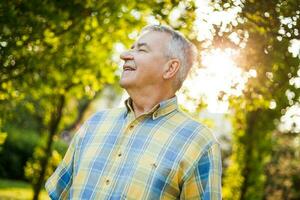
(126, 56)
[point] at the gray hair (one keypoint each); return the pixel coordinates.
(180, 48)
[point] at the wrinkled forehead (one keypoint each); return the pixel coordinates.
(154, 39)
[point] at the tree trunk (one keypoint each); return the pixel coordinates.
(55, 119)
(81, 112)
(248, 145)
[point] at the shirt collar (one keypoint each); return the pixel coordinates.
(161, 109)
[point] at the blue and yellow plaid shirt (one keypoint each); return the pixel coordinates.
(163, 154)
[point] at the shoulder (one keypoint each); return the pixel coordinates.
(202, 132)
(102, 117)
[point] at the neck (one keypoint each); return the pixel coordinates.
(143, 101)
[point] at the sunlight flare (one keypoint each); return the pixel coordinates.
(217, 79)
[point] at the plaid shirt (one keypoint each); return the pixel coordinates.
(163, 154)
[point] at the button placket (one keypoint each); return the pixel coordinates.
(154, 165)
(131, 126)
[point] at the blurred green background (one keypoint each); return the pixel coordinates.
(59, 63)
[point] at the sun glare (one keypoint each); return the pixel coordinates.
(218, 75)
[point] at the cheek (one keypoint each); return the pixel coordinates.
(142, 61)
(149, 66)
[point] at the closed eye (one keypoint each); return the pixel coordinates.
(139, 49)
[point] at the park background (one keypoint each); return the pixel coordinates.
(59, 64)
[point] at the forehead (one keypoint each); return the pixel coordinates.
(154, 39)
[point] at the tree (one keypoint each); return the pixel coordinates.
(56, 56)
(268, 29)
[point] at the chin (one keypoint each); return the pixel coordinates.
(124, 84)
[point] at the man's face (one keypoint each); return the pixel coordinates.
(143, 66)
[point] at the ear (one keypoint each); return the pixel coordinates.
(171, 68)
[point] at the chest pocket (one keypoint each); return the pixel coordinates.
(151, 179)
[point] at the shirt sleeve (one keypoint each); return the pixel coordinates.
(204, 182)
(59, 183)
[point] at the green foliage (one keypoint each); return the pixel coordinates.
(19, 148)
(3, 136)
(62, 50)
(16, 150)
(33, 166)
(56, 57)
(284, 168)
(253, 119)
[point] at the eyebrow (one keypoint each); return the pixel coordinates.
(140, 45)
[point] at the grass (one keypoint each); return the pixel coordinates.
(18, 190)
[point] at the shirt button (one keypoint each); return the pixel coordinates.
(119, 154)
(107, 181)
(131, 127)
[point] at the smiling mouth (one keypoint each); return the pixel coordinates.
(128, 68)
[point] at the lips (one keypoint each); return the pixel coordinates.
(128, 68)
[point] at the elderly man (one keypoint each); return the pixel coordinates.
(149, 149)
